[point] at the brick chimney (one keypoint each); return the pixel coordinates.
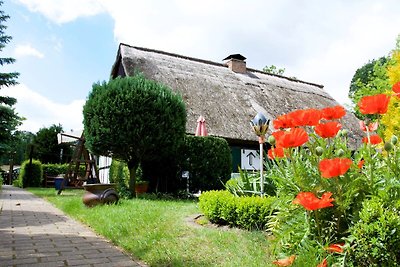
(236, 63)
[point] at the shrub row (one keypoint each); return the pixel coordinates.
(31, 174)
(247, 212)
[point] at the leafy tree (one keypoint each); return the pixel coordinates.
(21, 141)
(9, 119)
(134, 119)
(46, 146)
(370, 79)
(273, 70)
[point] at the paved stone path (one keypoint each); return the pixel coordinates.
(35, 233)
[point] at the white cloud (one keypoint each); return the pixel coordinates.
(27, 50)
(63, 11)
(317, 42)
(41, 112)
(308, 38)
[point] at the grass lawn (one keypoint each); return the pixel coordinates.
(158, 232)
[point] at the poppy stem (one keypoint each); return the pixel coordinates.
(318, 226)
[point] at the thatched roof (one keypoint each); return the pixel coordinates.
(226, 99)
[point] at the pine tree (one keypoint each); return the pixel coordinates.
(9, 119)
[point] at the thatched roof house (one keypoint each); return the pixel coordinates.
(227, 95)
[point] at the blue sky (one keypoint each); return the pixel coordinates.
(63, 46)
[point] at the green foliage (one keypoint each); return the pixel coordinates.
(135, 120)
(31, 174)
(55, 169)
(249, 184)
(375, 239)
(274, 70)
(247, 212)
(119, 174)
(208, 160)
(46, 147)
(370, 79)
(21, 143)
(9, 119)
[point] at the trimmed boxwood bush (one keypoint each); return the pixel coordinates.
(247, 212)
(208, 160)
(376, 236)
(31, 175)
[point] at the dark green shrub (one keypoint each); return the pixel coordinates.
(134, 119)
(209, 161)
(31, 175)
(54, 169)
(247, 212)
(119, 174)
(375, 239)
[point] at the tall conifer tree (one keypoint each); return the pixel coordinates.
(9, 119)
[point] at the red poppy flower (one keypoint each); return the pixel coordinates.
(373, 126)
(276, 152)
(334, 167)
(373, 139)
(293, 138)
(324, 263)
(283, 121)
(396, 88)
(328, 129)
(310, 202)
(333, 113)
(360, 164)
(374, 104)
(338, 248)
(305, 117)
(285, 262)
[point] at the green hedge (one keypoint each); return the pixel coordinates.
(247, 212)
(208, 160)
(57, 169)
(375, 238)
(31, 175)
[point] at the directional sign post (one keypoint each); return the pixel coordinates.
(250, 159)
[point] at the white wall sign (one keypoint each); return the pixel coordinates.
(250, 159)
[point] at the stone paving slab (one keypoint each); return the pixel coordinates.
(35, 233)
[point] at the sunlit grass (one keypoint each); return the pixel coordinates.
(158, 232)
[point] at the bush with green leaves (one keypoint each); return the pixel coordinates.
(31, 174)
(134, 119)
(248, 184)
(246, 212)
(208, 160)
(375, 239)
(54, 169)
(119, 174)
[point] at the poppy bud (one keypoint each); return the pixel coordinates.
(388, 146)
(340, 152)
(319, 151)
(344, 132)
(394, 140)
(271, 140)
